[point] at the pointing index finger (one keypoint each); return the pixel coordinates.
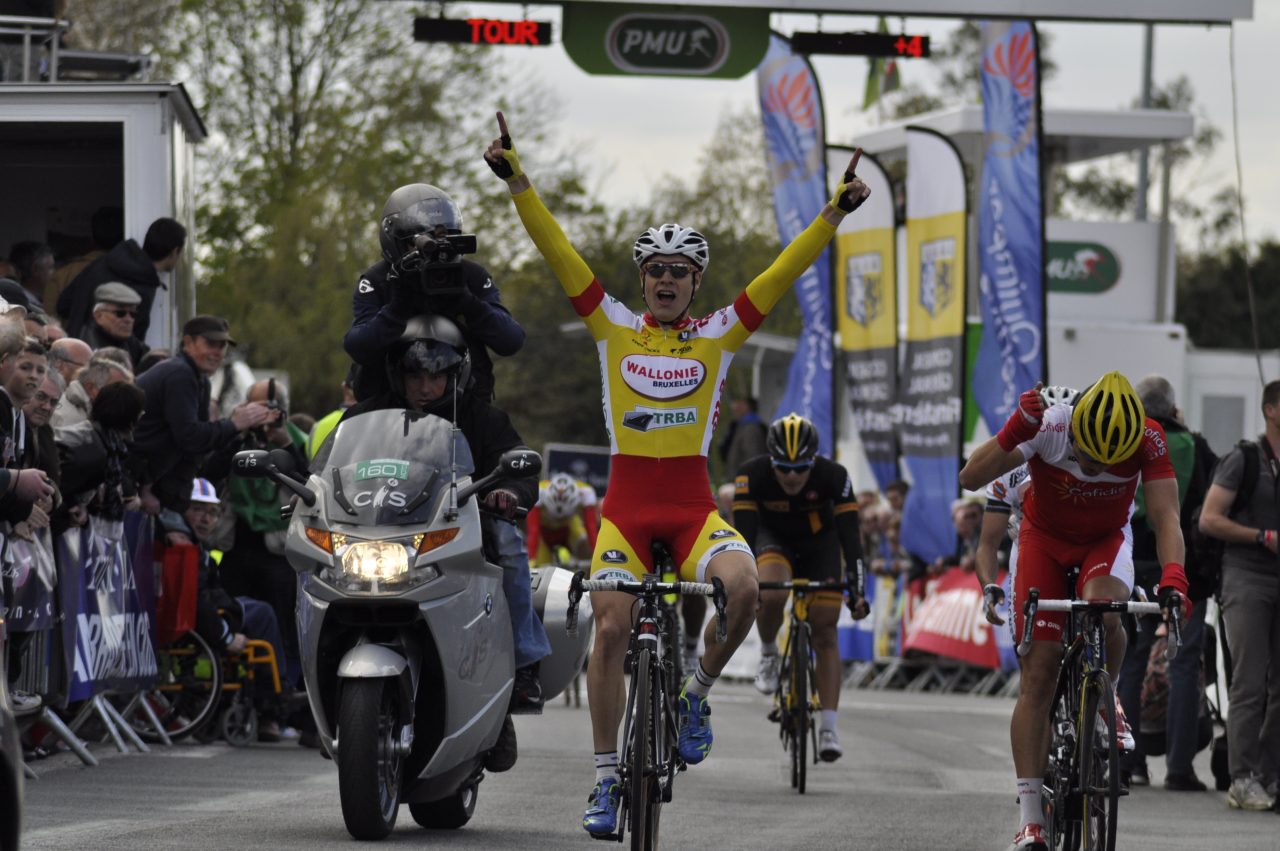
(852, 171)
(502, 130)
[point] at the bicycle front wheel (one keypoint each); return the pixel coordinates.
(800, 719)
(643, 803)
(1098, 759)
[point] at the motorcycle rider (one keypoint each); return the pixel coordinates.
(423, 271)
(423, 367)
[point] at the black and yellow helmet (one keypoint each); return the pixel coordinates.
(792, 439)
(1108, 421)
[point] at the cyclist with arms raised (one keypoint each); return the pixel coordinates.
(663, 372)
(799, 513)
(1086, 462)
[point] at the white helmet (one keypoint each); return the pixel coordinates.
(1058, 395)
(561, 499)
(672, 238)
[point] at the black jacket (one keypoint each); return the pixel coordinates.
(383, 302)
(126, 263)
(175, 431)
(488, 431)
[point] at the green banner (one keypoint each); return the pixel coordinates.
(668, 41)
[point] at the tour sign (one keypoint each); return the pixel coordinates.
(482, 31)
(862, 44)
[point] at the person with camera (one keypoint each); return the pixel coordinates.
(254, 564)
(424, 368)
(175, 433)
(423, 270)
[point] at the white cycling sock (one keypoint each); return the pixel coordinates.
(828, 721)
(768, 648)
(606, 765)
(701, 682)
(1029, 800)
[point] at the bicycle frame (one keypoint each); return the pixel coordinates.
(798, 675)
(1080, 813)
(648, 760)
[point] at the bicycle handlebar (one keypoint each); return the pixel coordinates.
(801, 585)
(1034, 604)
(649, 588)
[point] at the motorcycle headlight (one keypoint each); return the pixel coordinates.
(383, 561)
(375, 567)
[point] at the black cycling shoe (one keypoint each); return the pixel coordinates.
(526, 697)
(502, 756)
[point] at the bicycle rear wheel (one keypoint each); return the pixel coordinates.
(1060, 772)
(800, 720)
(1098, 758)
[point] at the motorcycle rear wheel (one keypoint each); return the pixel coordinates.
(369, 767)
(448, 813)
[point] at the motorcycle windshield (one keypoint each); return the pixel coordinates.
(390, 467)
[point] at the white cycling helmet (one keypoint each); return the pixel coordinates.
(561, 499)
(1058, 395)
(672, 238)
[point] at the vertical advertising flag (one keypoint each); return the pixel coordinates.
(1011, 357)
(795, 135)
(867, 314)
(931, 388)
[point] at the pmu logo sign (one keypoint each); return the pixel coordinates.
(692, 45)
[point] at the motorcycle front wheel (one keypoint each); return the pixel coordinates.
(369, 763)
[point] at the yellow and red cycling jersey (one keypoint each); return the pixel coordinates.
(662, 390)
(544, 533)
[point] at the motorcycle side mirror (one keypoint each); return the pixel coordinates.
(284, 461)
(514, 464)
(260, 464)
(251, 463)
(520, 463)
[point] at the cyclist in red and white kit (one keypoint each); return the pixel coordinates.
(1086, 462)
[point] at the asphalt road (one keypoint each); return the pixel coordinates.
(921, 771)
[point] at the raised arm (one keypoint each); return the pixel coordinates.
(770, 285)
(569, 268)
(1001, 454)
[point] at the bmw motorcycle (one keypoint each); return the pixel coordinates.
(404, 630)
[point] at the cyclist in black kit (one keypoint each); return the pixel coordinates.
(799, 513)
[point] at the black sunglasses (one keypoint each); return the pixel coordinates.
(678, 271)
(792, 468)
(121, 313)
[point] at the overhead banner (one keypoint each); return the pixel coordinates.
(1011, 357)
(931, 388)
(795, 136)
(867, 314)
(668, 41)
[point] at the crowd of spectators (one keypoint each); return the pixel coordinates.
(94, 422)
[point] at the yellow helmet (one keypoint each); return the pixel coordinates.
(1108, 420)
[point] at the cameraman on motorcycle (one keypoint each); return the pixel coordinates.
(422, 368)
(423, 271)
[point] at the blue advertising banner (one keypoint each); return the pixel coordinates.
(1010, 358)
(107, 629)
(795, 134)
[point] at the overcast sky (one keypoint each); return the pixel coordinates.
(1099, 67)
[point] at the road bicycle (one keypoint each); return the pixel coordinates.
(796, 698)
(1081, 792)
(649, 759)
